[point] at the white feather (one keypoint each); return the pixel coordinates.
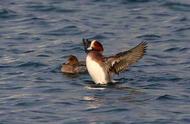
(96, 71)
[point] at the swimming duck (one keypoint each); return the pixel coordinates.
(73, 66)
(102, 68)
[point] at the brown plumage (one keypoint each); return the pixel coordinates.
(121, 61)
(73, 66)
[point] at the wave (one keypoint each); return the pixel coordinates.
(49, 8)
(32, 64)
(177, 6)
(166, 97)
(7, 13)
(67, 30)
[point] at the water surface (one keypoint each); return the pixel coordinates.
(36, 36)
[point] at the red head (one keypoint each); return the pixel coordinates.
(96, 46)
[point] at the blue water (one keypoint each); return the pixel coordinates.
(36, 36)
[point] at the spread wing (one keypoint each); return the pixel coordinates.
(121, 61)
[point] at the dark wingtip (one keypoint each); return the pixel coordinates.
(84, 44)
(145, 45)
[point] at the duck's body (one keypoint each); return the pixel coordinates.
(73, 66)
(102, 68)
(95, 66)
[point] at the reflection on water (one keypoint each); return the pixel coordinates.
(93, 102)
(99, 93)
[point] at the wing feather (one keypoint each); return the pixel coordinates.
(121, 61)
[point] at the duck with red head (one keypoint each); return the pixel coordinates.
(95, 46)
(73, 66)
(102, 68)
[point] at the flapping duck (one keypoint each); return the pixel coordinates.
(102, 68)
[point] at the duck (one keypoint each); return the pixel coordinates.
(73, 66)
(102, 68)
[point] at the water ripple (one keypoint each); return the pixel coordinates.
(182, 29)
(49, 8)
(149, 37)
(32, 64)
(7, 13)
(177, 49)
(166, 97)
(68, 30)
(134, 1)
(177, 6)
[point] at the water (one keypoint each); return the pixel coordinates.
(36, 36)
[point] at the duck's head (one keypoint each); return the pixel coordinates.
(95, 46)
(72, 60)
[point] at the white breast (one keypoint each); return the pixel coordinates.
(96, 71)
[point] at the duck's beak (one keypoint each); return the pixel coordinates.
(89, 48)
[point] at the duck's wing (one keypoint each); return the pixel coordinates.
(121, 61)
